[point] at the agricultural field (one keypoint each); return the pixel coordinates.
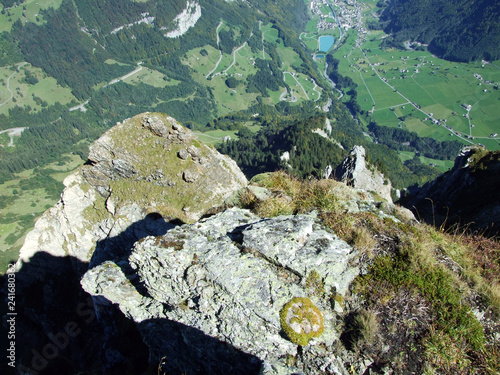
(24, 85)
(441, 165)
(414, 90)
(24, 199)
(27, 12)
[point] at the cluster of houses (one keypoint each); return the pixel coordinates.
(348, 14)
(324, 23)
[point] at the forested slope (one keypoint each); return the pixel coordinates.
(295, 132)
(87, 44)
(462, 30)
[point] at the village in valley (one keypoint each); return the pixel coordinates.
(405, 75)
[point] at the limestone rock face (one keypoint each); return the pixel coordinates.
(228, 277)
(140, 174)
(355, 173)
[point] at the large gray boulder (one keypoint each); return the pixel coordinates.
(228, 276)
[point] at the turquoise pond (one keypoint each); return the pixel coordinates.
(326, 42)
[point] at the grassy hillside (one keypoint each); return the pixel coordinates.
(428, 300)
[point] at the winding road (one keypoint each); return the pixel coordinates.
(8, 83)
(234, 56)
(13, 132)
(218, 46)
(298, 83)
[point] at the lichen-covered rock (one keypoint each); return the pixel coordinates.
(229, 276)
(183, 154)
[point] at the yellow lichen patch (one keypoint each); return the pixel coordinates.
(301, 320)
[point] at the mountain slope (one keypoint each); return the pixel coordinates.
(466, 196)
(389, 294)
(455, 30)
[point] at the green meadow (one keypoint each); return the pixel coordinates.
(209, 68)
(215, 137)
(24, 199)
(390, 79)
(441, 165)
(41, 94)
(151, 77)
(27, 12)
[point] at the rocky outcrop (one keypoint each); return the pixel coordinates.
(143, 177)
(198, 297)
(466, 195)
(202, 278)
(140, 174)
(355, 172)
(185, 20)
(230, 293)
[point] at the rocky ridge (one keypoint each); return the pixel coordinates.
(355, 172)
(148, 169)
(466, 195)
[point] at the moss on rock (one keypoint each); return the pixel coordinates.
(301, 320)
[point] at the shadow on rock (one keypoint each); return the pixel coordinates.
(187, 350)
(59, 330)
(118, 248)
(55, 326)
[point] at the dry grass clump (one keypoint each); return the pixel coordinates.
(278, 181)
(292, 196)
(363, 239)
(276, 205)
(480, 260)
(367, 325)
(247, 199)
(303, 196)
